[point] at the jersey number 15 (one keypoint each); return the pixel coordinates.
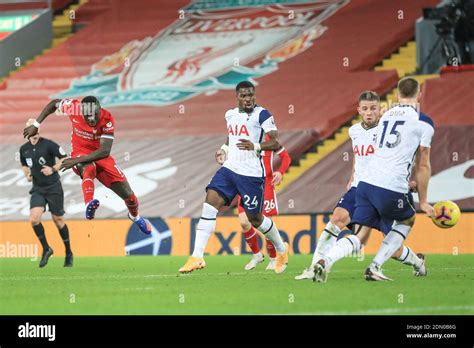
(394, 132)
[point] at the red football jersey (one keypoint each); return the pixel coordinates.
(84, 138)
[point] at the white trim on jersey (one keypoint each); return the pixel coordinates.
(281, 150)
(107, 136)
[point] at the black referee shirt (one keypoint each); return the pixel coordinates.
(44, 153)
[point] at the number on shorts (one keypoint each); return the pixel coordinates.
(247, 202)
(269, 205)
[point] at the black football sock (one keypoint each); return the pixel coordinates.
(64, 232)
(39, 231)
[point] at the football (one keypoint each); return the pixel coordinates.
(447, 214)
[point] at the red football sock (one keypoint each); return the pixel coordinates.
(271, 249)
(252, 240)
(88, 176)
(132, 205)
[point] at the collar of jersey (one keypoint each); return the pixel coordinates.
(362, 124)
(407, 105)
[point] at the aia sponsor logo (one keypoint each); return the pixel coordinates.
(238, 130)
(363, 150)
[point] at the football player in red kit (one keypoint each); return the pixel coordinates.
(270, 208)
(91, 142)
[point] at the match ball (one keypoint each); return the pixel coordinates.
(447, 214)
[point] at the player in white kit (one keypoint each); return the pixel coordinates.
(363, 136)
(382, 195)
(242, 173)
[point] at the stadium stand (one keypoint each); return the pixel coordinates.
(56, 5)
(320, 83)
(451, 152)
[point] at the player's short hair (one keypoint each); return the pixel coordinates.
(369, 96)
(91, 103)
(90, 99)
(408, 87)
(244, 84)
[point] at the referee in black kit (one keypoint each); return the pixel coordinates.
(38, 160)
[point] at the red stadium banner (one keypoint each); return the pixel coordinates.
(175, 236)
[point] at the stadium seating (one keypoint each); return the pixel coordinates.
(451, 147)
(320, 83)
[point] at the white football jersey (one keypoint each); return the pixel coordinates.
(363, 146)
(401, 130)
(253, 127)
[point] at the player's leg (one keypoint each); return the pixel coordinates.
(327, 239)
(206, 225)
(37, 205)
(265, 225)
(88, 172)
(406, 256)
(251, 238)
(340, 218)
(55, 199)
(124, 191)
(64, 233)
(220, 192)
(251, 191)
(365, 215)
(270, 209)
(346, 246)
(392, 206)
(110, 175)
(391, 243)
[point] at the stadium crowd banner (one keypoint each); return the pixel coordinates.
(175, 236)
(197, 52)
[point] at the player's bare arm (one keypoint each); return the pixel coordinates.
(46, 170)
(271, 144)
(50, 108)
(221, 154)
(27, 173)
(423, 174)
(102, 152)
(277, 176)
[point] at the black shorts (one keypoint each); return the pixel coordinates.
(52, 195)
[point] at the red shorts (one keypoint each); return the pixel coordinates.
(270, 205)
(107, 170)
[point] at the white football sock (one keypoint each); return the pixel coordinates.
(205, 226)
(408, 257)
(269, 229)
(326, 241)
(391, 243)
(343, 247)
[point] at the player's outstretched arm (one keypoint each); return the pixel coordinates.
(102, 152)
(423, 174)
(50, 108)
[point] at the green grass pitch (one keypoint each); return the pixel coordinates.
(151, 285)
